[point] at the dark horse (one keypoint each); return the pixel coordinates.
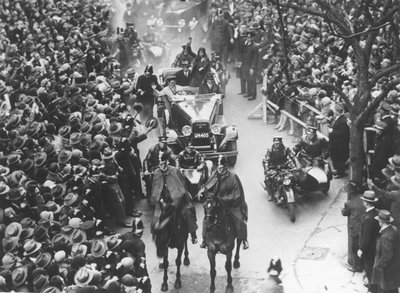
(171, 232)
(220, 235)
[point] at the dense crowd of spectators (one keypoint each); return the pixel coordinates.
(69, 134)
(68, 152)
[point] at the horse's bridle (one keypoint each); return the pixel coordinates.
(209, 215)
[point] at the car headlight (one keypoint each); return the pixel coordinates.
(186, 130)
(216, 129)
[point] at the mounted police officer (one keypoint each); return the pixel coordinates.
(277, 157)
(225, 186)
(152, 161)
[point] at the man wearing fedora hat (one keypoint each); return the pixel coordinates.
(339, 140)
(383, 149)
(220, 35)
(369, 232)
(386, 270)
(354, 210)
(110, 175)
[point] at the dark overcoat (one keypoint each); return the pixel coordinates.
(339, 139)
(386, 271)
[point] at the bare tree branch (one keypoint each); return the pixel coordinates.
(375, 103)
(325, 86)
(383, 73)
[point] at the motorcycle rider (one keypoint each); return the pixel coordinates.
(278, 157)
(312, 145)
(190, 158)
(152, 161)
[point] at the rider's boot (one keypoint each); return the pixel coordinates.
(269, 189)
(203, 244)
(194, 237)
(245, 244)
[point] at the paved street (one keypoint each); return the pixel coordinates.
(270, 231)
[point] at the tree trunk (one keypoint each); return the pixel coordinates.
(357, 156)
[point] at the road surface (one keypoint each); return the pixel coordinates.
(270, 231)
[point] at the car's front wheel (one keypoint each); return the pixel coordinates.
(231, 146)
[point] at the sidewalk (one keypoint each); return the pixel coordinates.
(321, 264)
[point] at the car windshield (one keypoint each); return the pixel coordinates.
(200, 106)
(178, 5)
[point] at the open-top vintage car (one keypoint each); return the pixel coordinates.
(197, 116)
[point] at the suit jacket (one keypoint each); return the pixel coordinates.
(383, 150)
(144, 83)
(205, 89)
(339, 138)
(354, 210)
(182, 79)
(386, 270)
(219, 34)
(394, 197)
(249, 56)
(369, 233)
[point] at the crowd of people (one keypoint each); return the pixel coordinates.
(69, 126)
(69, 159)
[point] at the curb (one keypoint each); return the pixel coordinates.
(320, 266)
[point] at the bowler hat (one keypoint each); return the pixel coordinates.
(115, 128)
(58, 191)
(65, 130)
(26, 233)
(9, 261)
(108, 154)
(395, 162)
(40, 233)
(384, 216)
(9, 243)
(78, 236)
(27, 165)
(40, 159)
(4, 188)
(78, 249)
(59, 241)
(40, 282)
(14, 229)
(380, 125)
(64, 156)
(13, 159)
(19, 276)
(113, 242)
(43, 260)
(83, 276)
(130, 72)
(70, 198)
(99, 248)
(388, 171)
(75, 138)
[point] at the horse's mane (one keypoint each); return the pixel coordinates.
(172, 231)
(222, 232)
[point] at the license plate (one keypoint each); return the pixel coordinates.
(201, 135)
